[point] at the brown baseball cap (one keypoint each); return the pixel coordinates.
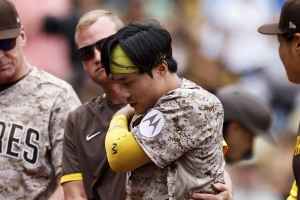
(250, 111)
(289, 20)
(9, 21)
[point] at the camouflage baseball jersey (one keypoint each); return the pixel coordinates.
(183, 137)
(33, 115)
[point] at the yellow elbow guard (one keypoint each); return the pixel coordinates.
(293, 192)
(123, 152)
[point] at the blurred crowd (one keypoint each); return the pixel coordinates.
(215, 43)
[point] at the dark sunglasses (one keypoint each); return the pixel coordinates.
(7, 44)
(87, 52)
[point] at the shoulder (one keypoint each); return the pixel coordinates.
(190, 93)
(89, 106)
(45, 80)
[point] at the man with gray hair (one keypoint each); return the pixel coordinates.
(34, 107)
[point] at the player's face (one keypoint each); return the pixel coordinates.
(140, 90)
(12, 62)
(100, 29)
(240, 143)
(290, 56)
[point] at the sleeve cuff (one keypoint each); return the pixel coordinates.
(71, 177)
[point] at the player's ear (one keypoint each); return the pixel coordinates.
(162, 68)
(23, 36)
(297, 38)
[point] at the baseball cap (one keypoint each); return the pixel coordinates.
(289, 20)
(9, 20)
(252, 112)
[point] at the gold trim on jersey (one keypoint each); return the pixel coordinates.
(297, 148)
(71, 177)
(225, 147)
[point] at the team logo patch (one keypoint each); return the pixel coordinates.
(152, 123)
(292, 25)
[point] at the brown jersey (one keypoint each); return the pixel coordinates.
(33, 115)
(296, 164)
(84, 150)
(183, 137)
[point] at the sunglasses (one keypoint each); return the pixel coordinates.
(87, 52)
(7, 44)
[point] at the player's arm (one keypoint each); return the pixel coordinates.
(65, 102)
(58, 193)
(74, 190)
(73, 186)
(71, 180)
(225, 191)
(127, 111)
(293, 192)
(123, 152)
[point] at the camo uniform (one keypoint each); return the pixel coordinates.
(33, 115)
(183, 137)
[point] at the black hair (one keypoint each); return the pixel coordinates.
(146, 45)
(288, 37)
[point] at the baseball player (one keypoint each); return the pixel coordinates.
(34, 107)
(86, 172)
(175, 145)
(245, 117)
(288, 33)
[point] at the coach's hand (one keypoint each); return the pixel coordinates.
(223, 195)
(127, 111)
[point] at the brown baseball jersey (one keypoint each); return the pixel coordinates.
(84, 156)
(33, 115)
(183, 137)
(296, 167)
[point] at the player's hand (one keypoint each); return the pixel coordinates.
(224, 194)
(127, 111)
